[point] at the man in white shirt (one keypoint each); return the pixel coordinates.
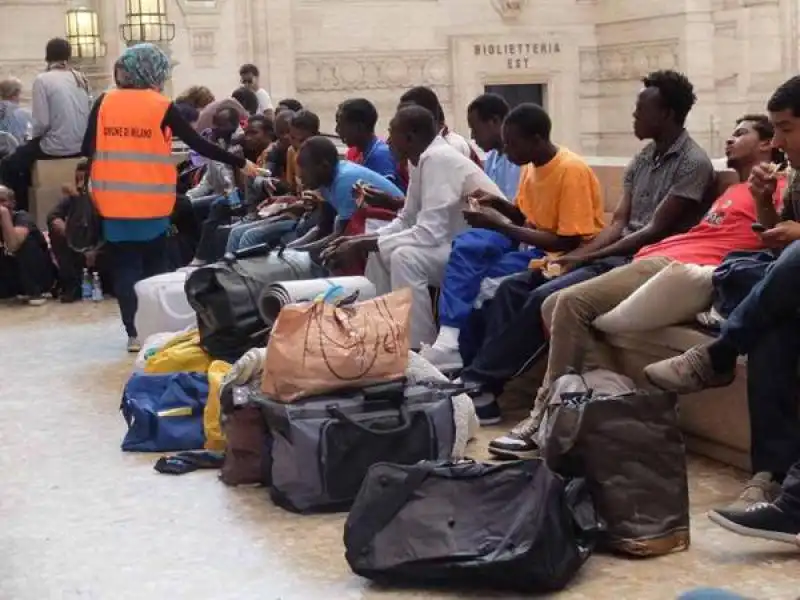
(412, 250)
(248, 76)
(427, 98)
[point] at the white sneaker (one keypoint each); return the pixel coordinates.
(446, 360)
(134, 345)
(37, 301)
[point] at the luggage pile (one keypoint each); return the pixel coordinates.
(321, 402)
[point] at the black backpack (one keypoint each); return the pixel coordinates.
(225, 296)
(84, 224)
(511, 526)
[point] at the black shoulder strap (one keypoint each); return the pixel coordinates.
(380, 513)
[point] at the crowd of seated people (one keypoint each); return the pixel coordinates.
(516, 243)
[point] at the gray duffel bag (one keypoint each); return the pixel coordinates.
(322, 447)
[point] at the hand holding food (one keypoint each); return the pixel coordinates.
(763, 181)
(250, 169)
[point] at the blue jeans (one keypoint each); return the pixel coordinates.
(507, 334)
(765, 326)
(738, 274)
(267, 233)
(130, 263)
(202, 205)
(710, 594)
(477, 254)
(237, 231)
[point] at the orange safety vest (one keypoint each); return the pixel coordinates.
(133, 174)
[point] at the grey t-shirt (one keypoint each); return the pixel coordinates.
(61, 106)
(684, 170)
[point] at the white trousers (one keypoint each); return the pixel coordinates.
(415, 268)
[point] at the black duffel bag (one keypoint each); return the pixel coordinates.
(511, 526)
(225, 296)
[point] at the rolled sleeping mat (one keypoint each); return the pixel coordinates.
(278, 295)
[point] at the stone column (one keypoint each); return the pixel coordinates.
(273, 37)
(697, 62)
(768, 60)
(789, 23)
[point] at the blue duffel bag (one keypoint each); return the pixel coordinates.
(164, 413)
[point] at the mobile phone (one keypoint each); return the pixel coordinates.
(758, 227)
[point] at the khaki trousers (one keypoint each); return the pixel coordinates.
(571, 311)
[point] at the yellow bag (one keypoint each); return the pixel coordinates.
(181, 354)
(215, 439)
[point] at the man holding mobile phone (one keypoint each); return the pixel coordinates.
(765, 326)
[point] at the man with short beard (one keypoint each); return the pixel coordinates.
(765, 326)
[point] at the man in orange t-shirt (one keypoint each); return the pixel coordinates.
(559, 205)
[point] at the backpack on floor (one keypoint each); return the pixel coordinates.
(629, 448)
(511, 526)
(323, 446)
(225, 297)
(84, 230)
(248, 452)
(164, 413)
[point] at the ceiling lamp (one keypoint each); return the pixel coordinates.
(83, 34)
(146, 21)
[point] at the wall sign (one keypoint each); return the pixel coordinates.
(518, 56)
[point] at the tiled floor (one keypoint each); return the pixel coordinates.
(81, 520)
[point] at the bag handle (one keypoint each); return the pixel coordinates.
(162, 301)
(405, 421)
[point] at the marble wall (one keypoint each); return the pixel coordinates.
(590, 54)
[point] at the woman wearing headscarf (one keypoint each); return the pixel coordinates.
(133, 175)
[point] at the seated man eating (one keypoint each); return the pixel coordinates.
(302, 126)
(558, 205)
(70, 263)
(727, 226)
(355, 125)
(664, 192)
(412, 250)
(217, 181)
(763, 326)
(214, 235)
(337, 182)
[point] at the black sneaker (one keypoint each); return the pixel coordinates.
(765, 521)
(487, 408)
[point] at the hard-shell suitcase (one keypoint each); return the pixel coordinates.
(162, 304)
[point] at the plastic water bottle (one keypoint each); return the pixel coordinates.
(97, 290)
(234, 199)
(86, 285)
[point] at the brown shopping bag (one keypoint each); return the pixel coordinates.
(316, 347)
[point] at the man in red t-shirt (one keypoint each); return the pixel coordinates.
(727, 226)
